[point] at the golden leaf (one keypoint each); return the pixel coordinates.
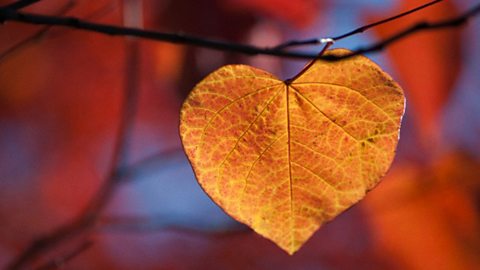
(285, 157)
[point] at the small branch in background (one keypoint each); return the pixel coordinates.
(316, 41)
(42, 33)
(37, 36)
(76, 23)
(87, 219)
(121, 151)
(48, 242)
(72, 22)
(20, 4)
(422, 26)
(84, 221)
(60, 262)
(366, 27)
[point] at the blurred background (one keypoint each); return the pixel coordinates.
(61, 93)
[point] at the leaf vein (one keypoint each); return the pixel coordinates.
(318, 176)
(234, 77)
(245, 132)
(324, 114)
(226, 106)
(352, 90)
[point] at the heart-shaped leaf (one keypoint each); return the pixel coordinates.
(285, 157)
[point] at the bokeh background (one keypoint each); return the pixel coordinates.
(61, 93)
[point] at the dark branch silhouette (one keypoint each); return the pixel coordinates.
(449, 23)
(20, 4)
(8, 14)
(36, 36)
(88, 219)
(315, 41)
(60, 262)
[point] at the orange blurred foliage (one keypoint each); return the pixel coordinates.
(426, 217)
(429, 72)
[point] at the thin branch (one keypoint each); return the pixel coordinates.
(145, 224)
(60, 262)
(20, 4)
(72, 22)
(37, 36)
(366, 27)
(86, 220)
(422, 26)
(316, 41)
(119, 160)
(49, 242)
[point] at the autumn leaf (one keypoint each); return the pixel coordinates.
(284, 157)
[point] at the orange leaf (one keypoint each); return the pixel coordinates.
(285, 157)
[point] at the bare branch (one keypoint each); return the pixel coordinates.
(49, 242)
(88, 217)
(72, 22)
(359, 30)
(422, 26)
(60, 262)
(366, 27)
(20, 4)
(37, 36)
(145, 224)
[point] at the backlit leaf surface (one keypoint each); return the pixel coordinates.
(285, 157)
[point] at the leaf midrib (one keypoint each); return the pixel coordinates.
(292, 227)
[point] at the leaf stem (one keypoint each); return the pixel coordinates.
(328, 43)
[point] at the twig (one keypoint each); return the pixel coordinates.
(49, 241)
(72, 22)
(42, 32)
(59, 262)
(366, 27)
(20, 4)
(359, 30)
(328, 44)
(37, 36)
(145, 224)
(449, 23)
(86, 220)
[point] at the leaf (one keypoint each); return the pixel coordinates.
(285, 157)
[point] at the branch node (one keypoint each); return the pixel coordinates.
(327, 40)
